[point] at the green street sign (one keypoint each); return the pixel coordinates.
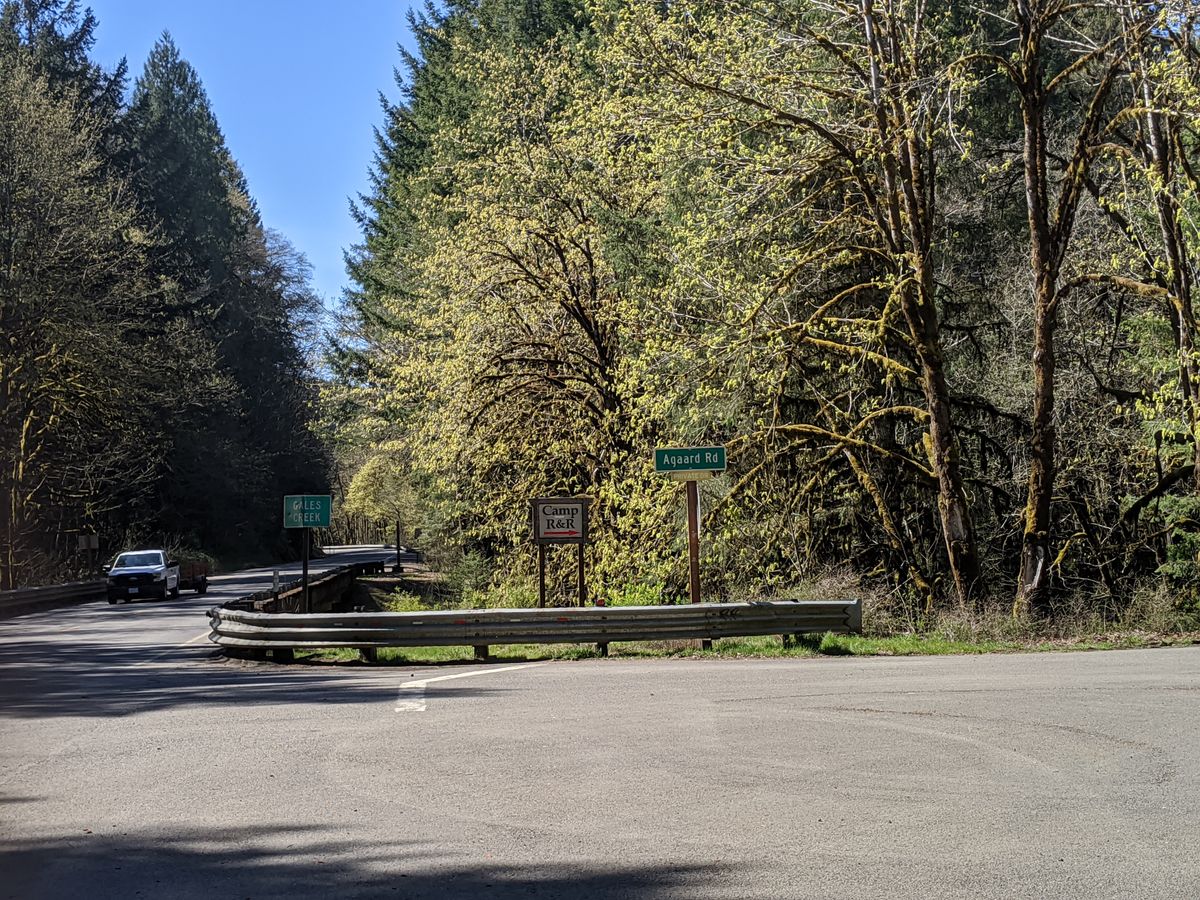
(689, 463)
(307, 511)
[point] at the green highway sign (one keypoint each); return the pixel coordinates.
(689, 463)
(307, 510)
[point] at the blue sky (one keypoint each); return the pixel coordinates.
(295, 88)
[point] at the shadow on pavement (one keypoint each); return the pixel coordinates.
(48, 679)
(294, 861)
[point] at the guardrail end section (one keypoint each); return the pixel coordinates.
(854, 616)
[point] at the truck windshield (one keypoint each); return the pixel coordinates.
(129, 560)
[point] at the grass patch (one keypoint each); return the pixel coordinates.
(909, 645)
(441, 656)
(765, 647)
(1131, 640)
(1155, 623)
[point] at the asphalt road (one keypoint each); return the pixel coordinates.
(135, 763)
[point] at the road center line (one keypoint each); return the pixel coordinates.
(152, 658)
(412, 693)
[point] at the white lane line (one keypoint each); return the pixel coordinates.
(70, 627)
(153, 658)
(412, 693)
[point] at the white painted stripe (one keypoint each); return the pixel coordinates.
(412, 693)
(411, 699)
(476, 672)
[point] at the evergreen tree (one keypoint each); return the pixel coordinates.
(237, 292)
(57, 38)
(184, 172)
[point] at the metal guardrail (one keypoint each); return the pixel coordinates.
(29, 599)
(241, 629)
(325, 589)
(259, 599)
(24, 600)
(407, 554)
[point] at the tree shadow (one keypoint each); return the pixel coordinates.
(289, 861)
(40, 679)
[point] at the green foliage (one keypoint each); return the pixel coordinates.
(66, 359)
(600, 228)
(183, 169)
(402, 601)
(513, 592)
(635, 594)
(469, 577)
(241, 295)
(154, 381)
(1182, 564)
(768, 647)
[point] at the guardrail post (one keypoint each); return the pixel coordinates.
(602, 649)
(481, 652)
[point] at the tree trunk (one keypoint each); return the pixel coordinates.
(958, 529)
(1034, 573)
(1051, 221)
(1183, 317)
(909, 177)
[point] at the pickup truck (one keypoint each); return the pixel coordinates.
(142, 573)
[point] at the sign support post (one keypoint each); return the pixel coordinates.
(541, 575)
(307, 511)
(691, 465)
(693, 515)
(304, 570)
(582, 580)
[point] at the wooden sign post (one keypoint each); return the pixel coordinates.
(307, 511)
(693, 514)
(691, 464)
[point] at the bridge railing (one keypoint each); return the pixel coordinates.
(15, 603)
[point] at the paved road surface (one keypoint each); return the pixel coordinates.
(142, 765)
